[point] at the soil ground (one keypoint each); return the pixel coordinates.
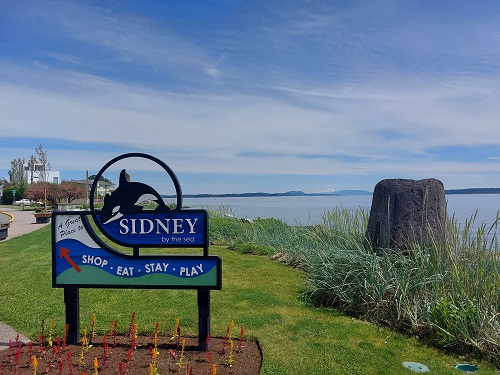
(66, 359)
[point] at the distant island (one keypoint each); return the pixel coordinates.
(286, 194)
(298, 193)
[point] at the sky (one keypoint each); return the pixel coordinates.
(246, 96)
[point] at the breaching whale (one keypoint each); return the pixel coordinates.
(126, 198)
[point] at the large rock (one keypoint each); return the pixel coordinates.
(406, 211)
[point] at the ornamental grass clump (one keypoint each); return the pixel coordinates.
(257, 237)
(467, 306)
(446, 292)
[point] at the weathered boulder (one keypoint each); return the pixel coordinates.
(406, 211)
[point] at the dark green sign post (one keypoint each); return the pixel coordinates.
(80, 259)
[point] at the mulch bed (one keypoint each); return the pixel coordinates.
(116, 356)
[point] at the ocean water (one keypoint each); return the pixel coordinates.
(310, 210)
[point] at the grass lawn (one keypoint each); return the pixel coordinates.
(261, 295)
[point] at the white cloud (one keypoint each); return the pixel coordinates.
(207, 132)
(323, 92)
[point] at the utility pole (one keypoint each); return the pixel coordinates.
(87, 185)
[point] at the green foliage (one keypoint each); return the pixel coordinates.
(446, 293)
(16, 174)
(258, 294)
(102, 178)
(86, 206)
(7, 197)
(43, 161)
(270, 234)
(250, 248)
(455, 319)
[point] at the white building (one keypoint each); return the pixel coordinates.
(33, 177)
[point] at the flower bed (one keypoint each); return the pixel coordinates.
(246, 362)
(132, 354)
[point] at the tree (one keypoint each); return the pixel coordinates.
(43, 191)
(31, 167)
(7, 196)
(70, 191)
(43, 161)
(102, 178)
(55, 193)
(17, 177)
(16, 173)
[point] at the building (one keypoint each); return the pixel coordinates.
(37, 173)
(104, 186)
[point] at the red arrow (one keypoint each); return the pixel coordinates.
(65, 253)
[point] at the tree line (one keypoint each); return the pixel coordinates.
(22, 182)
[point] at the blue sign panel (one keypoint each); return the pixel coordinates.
(178, 228)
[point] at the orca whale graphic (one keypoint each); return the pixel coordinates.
(126, 198)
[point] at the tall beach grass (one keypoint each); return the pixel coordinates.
(446, 293)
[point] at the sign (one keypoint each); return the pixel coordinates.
(82, 259)
(82, 256)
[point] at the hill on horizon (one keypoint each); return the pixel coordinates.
(293, 193)
(299, 193)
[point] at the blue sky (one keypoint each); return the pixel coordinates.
(245, 96)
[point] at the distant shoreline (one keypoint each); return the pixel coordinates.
(332, 194)
(474, 191)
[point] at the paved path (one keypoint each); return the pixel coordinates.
(23, 222)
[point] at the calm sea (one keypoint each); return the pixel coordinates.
(309, 210)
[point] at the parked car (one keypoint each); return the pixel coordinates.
(24, 201)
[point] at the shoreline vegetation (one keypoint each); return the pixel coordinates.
(446, 294)
(438, 305)
(298, 193)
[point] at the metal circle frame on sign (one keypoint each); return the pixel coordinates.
(172, 175)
